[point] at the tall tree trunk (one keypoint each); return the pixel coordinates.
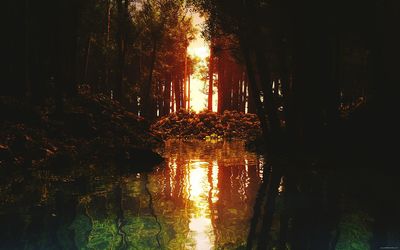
(26, 48)
(221, 83)
(107, 54)
(71, 88)
(210, 79)
(108, 21)
(160, 98)
(122, 33)
(265, 76)
(184, 85)
(167, 96)
(252, 83)
(235, 88)
(227, 85)
(13, 50)
(189, 92)
(148, 87)
(173, 95)
(178, 93)
(65, 50)
(240, 92)
(245, 93)
(87, 56)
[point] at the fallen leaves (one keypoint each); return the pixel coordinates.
(204, 125)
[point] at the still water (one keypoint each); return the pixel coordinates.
(201, 197)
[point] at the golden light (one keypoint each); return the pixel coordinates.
(200, 222)
(201, 52)
(205, 198)
(198, 48)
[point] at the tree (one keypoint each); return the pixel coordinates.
(304, 47)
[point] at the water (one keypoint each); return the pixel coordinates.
(201, 197)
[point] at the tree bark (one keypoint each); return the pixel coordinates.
(210, 79)
(235, 88)
(107, 56)
(253, 86)
(266, 83)
(178, 94)
(221, 83)
(89, 44)
(184, 85)
(122, 35)
(173, 95)
(147, 88)
(167, 96)
(188, 84)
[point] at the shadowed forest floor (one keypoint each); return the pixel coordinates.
(91, 130)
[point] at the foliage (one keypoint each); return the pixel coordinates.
(126, 49)
(93, 129)
(206, 124)
(157, 34)
(355, 232)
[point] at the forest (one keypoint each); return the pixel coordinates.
(284, 121)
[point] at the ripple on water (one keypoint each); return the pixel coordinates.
(201, 197)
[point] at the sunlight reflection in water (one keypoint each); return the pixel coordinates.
(211, 188)
(201, 197)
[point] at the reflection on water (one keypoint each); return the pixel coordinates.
(211, 188)
(200, 198)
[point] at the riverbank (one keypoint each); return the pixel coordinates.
(207, 125)
(93, 130)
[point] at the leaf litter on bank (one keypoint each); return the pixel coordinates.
(190, 125)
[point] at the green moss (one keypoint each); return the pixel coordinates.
(355, 232)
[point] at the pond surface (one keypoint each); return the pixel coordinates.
(201, 197)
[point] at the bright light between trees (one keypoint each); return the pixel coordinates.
(198, 48)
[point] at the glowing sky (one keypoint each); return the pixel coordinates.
(199, 48)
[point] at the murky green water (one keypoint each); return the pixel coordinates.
(200, 198)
